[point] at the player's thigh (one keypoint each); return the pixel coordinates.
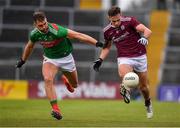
(143, 78)
(124, 68)
(49, 71)
(72, 77)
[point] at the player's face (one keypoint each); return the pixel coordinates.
(115, 20)
(42, 26)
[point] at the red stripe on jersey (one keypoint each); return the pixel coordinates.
(49, 44)
(55, 26)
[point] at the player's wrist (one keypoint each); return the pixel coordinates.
(99, 44)
(100, 59)
(23, 61)
(144, 37)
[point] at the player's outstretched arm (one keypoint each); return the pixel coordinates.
(27, 51)
(84, 38)
(146, 32)
(104, 53)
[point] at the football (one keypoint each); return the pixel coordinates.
(131, 80)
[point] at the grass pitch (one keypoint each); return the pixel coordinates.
(88, 113)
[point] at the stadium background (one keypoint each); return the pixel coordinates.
(89, 16)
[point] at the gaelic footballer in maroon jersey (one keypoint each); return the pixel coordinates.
(125, 38)
(130, 38)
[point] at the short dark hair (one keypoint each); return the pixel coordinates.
(39, 16)
(114, 10)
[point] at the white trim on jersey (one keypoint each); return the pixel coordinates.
(107, 27)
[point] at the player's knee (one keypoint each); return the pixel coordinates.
(143, 87)
(48, 80)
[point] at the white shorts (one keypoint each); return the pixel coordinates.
(139, 63)
(66, 63)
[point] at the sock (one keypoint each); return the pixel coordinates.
(147, 102)
(54, 105)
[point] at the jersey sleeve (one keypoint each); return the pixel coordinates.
(106, 37)
(134, 22)
(106, 33)
(33, 36)
(62, 32)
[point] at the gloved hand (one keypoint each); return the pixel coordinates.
(20, 63)
(97, 64)
(143, 41)
(99, 44)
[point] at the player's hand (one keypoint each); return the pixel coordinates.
(143, 41)
(97, 64)
(99, 44)
(20, 63)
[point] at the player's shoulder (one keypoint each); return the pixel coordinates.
(57, 27)
(127, 18)
(107, 28)
(34, 32)
(53, 25)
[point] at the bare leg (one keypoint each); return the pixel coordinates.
(145, 92)
(125, 92)
(123, 69)
(144, 87)
(49, 71)
(72, 78)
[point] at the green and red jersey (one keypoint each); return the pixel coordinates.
(55, 43)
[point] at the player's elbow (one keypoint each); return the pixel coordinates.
(150, 32)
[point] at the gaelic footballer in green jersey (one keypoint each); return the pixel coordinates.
(55, 44)
(57, 48)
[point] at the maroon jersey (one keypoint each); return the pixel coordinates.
(125, 37)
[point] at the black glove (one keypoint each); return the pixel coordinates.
(99, 44)
(20, 63)
(97, 64)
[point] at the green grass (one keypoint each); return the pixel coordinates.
(88, 113)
